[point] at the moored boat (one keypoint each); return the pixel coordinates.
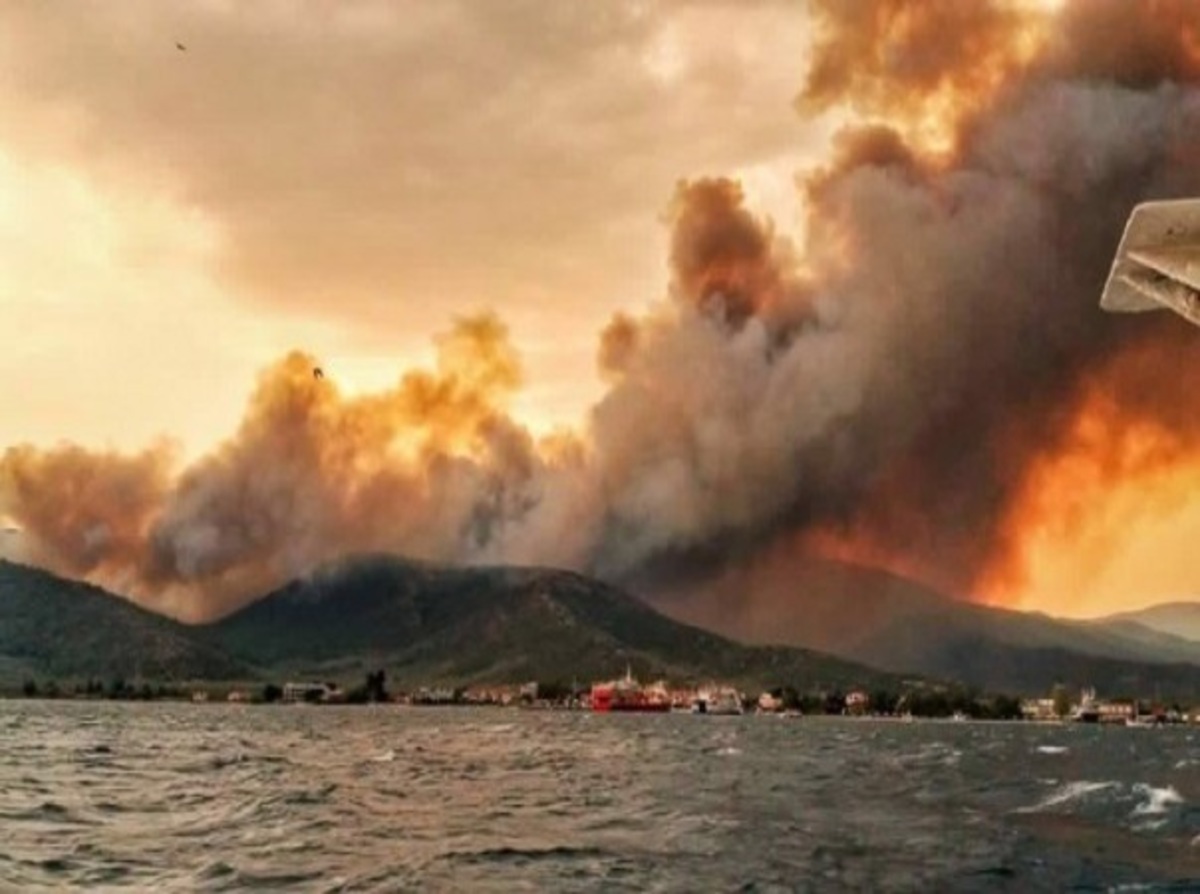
(627, 694)
(723, 700)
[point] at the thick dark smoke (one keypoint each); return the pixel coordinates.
(979, 271)
(955, 340)
(883, 391)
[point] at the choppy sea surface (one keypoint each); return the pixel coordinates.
(164, 797)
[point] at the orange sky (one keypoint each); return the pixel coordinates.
(349, 178)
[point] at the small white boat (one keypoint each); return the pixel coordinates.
(1142, 721)
(722, 701)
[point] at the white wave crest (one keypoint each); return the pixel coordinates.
(1155, 800)
(1072, 791)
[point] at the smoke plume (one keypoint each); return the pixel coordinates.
(903, 388)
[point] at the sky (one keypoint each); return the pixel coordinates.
(635, 288)
(349, 178)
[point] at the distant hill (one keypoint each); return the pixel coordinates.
(51, 627)
(426, 623)
(429, 624)
(1181, 619)
(865, 614)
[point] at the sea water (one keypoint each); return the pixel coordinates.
(114, 796)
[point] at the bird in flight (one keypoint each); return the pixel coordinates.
(180, 47)
(318, 373)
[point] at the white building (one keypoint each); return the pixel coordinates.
(309, 692)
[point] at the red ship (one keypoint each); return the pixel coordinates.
(628, 695)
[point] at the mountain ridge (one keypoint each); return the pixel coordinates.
(55, 626)
(867, 614)
(843, 626)
(1180, 618)
(472, 624)
(423, 623)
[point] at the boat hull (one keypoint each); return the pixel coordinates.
(628, 696)
(631, 709)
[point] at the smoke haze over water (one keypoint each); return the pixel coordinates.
(903, 388)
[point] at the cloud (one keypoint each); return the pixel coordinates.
(891, 388)
(362, 159)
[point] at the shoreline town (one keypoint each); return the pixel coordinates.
(626, 694)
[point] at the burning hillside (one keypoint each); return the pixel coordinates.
(925, 383)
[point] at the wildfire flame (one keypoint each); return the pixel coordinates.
(924, 383)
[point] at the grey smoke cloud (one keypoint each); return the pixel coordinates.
(377, 164)
(891, 380)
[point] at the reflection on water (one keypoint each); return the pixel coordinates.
(216, 798)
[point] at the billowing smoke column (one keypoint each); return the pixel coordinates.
(309, 475)
(897, 390)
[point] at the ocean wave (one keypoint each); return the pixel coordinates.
(48, 812)
(560, 803)
(231, 878)
(509, 854)
(1154, 800)
(1068, 793)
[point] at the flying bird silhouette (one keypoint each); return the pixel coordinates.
(180, 47)
(318, 373)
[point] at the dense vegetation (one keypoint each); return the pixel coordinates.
(423, 625)
(63, 629)
(412, 625)
(462, 626)
(867, 615)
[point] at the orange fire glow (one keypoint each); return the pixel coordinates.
(924, 68)
(1107, 520)
(855, 544)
